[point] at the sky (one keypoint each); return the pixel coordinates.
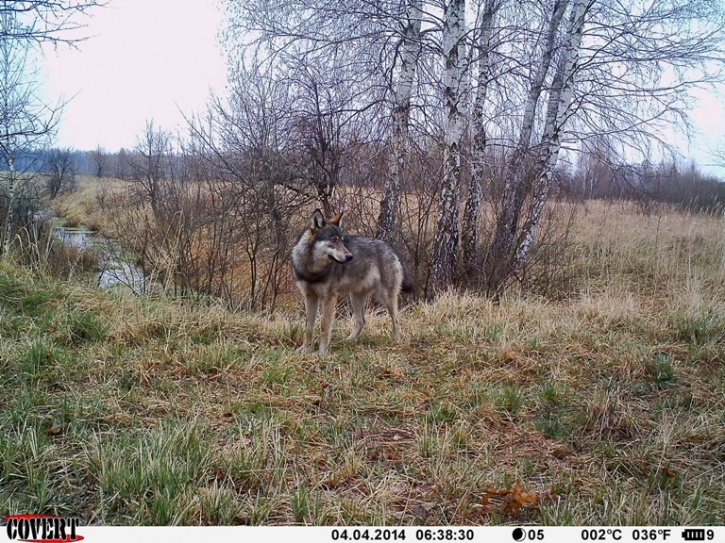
(154, 59)
(708, 119)
(142, 60)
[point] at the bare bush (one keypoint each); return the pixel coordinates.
(61, 172)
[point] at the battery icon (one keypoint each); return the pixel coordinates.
(693, 534)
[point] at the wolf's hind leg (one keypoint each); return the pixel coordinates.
(358, 301)
(391, 303)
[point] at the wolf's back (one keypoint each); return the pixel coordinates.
(375, 252)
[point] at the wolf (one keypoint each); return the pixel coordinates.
(328, 264)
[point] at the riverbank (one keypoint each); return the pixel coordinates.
(115, 267)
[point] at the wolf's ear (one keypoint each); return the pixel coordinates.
(336, 219)
(318, 220)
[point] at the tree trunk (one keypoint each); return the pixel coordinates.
(556, 115)
(389, 217)
(469, 235)
(498, 264)
(445, 245)
(11, 202)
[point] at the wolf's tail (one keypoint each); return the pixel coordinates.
(408, 285)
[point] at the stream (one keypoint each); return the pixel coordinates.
(116, 270)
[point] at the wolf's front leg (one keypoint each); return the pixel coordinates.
(328, 315)
(311, 311)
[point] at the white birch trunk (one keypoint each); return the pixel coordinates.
(445, 245)
(9, 219)
(498, 260)
(18, 118)
(389, 217)
(469, 235)
(556, 115)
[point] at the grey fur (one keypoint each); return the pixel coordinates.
(327, 264)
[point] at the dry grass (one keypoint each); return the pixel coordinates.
(85, 205)
(663, 253)
(607, 406)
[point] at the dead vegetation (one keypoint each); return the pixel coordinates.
(601, 407)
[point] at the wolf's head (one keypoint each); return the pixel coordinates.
(328, 236)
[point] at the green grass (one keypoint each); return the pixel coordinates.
(609, 405)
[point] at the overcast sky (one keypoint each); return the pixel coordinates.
(144, 59)
(151, 59)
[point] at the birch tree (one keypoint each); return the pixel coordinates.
(101, 158)
(375, 49)
(497, 263)
(61, 172)
(388, 227)
(24, 120)
(471, 215)
(445, 245)
(557, 111)
(621, 70)
(551, 75)
(53, 22)
(152, 166)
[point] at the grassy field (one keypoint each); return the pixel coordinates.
(607, 407)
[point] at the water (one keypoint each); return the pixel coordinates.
(116, 271)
